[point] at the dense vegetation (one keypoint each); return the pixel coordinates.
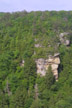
(19, 32)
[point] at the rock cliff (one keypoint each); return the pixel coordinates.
(43, 64)
(63, 38)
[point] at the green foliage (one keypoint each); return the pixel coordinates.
(30, 71)
(49, 79)
(19, 99)
(19, 32)
(36, 104)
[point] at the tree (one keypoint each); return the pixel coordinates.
(19, 98)
(30, 70)
(4, 102)
(36, 104)
(49, 78)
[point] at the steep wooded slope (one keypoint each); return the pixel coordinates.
(24, 38)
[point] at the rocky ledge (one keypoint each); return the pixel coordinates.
(43, 64)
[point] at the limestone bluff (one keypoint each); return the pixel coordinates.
(43, 64)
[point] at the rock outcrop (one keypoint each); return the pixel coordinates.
(22, 63)
(63, 39)
(37, 45)
(43, 64)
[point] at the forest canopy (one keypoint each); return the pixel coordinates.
(24, 37)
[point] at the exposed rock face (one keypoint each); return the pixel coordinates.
(42, 65)
(63, 38)
(37, 45)
(22, 63)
